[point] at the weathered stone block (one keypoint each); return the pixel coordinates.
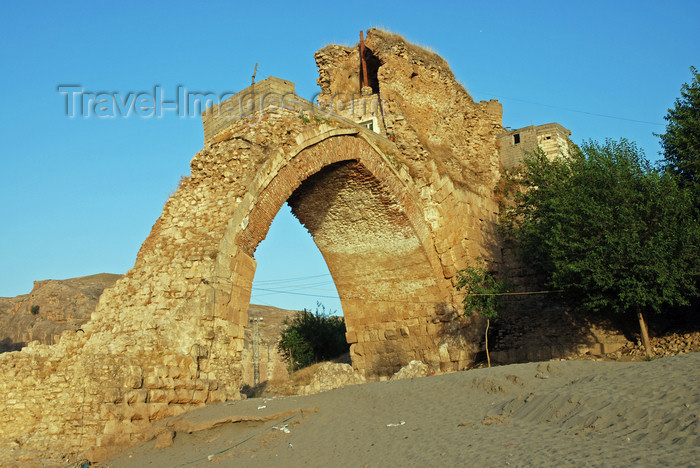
(164, 437)
(137, 412)
(217, 396)
(113, 395)
(351, 336)
(134, 377)
(152, 381)
(199, 396)
(179, 383)
(136, 396)
(158, 411)
(158, 396)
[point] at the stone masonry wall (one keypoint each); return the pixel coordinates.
(245, 104)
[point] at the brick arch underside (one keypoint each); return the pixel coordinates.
(375, 242)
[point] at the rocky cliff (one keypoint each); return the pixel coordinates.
(50, 308)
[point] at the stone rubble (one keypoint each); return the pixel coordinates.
(331, 375)
(412, 370)
(667, 345)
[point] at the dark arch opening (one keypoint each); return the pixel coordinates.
(373, 64)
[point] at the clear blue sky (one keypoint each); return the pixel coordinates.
(79, 196)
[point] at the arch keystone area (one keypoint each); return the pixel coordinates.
(394, 219)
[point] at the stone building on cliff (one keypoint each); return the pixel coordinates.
(552, 138)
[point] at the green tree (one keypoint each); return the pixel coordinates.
(604, 226)
(681, 142)
(310, 337)
(483, 295)
(295, 349)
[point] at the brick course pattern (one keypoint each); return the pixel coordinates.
(395, 220)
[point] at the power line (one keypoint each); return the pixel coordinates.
(309, 287)
(293, 279)
(294, 293)
(512, 293)
(257, 299)
(574, 110)
(412, 302)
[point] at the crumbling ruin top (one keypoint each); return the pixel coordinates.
(422, 105)
(380, 45)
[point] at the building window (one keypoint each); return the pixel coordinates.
(371, 124)
(516, 138)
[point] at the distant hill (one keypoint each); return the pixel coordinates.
(57, 305)
(50, 308)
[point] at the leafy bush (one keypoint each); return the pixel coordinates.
(613, 233)
(483, 293)
(34, 310)
(310, 337)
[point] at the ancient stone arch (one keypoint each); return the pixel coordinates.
(364, 217)
(396, 210)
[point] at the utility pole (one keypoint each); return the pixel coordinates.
(256, 350)
(364, 63)
(255, 71)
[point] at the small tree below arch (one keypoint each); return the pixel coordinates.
(310, 337)
(483, 295)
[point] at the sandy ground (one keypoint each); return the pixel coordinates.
(570, 413)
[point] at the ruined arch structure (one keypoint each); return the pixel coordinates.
(395, 211)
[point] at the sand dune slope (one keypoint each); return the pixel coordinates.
(574, 413)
